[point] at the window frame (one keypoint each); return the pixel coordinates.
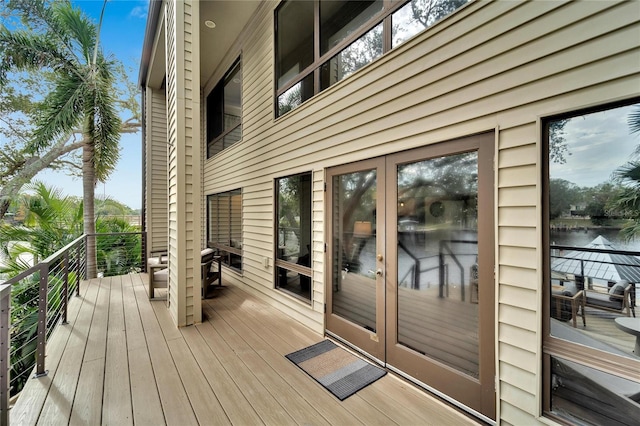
(222, 247)
(552, 346)
(220, 86)
(280, 263)
(389, 7)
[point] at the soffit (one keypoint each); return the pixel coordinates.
(230, 18)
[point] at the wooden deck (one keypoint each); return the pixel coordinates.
(120, 361)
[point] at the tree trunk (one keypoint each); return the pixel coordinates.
(88, 196)
(32, 167)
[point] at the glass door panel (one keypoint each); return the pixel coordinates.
(354, 295)
(355, 302)
(440, 280)
(437, 258)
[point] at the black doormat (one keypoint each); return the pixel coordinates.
(335, 368)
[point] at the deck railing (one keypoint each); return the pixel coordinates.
(33, 302)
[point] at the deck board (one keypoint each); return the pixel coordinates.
(121, 360)
(116, 406)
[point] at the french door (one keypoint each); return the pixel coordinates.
(411, 265)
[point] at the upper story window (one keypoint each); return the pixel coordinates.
(224, 111)
(592, 265)
(320, 42)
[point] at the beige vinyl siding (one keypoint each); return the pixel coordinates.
(183, 112)
(172, 139)
(491, 66)
(156, 173)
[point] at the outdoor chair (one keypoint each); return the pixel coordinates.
(567, 303)
(208, 276)
(157, 268)
(618, 299)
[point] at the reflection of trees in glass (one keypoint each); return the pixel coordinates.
(357, 202)
(427, 12)
(628, 177)
(634, 120)
(290, 99)
(289, 215)
(360, 53)
(418, 15)
(617, 198)
(562, 194)
(557, 143)
(452, 178)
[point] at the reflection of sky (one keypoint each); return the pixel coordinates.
(598, 143)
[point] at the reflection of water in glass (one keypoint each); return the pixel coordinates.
(582, 238)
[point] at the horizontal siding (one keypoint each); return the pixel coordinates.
(156, 174)
(513, 415)
(171, 82)
(516, 397)
(493, 65)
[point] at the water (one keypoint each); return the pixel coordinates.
(581, 238)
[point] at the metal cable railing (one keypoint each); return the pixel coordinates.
(39, 297)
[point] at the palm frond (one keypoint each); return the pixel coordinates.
(634, 120)
(72, 24)
(20, 50)
(106, 124)
(61, 112)
(628, 173)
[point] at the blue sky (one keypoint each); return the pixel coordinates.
(122, 35)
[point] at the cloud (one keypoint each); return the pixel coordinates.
(139, 11)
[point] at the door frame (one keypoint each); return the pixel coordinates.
(480, 395)
(483, 399)
(367, 341)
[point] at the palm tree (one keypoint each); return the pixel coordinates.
(82, 99)
(628, 176)
(51, 221)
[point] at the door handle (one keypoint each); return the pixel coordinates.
(379, 272)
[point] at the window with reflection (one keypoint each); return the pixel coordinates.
(293, 230)
(224, 226)
(224, 112)
(350, 34)
(351, 59)
(417, 15)
(592, 274)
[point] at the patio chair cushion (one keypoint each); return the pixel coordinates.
(603, 300)
(160, 277)
(618, 290)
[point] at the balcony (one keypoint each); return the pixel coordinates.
(120, 359)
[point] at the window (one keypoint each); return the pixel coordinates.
(320, 42)
(592, 266)
(224, 112)
(224, 230)
(293, 228)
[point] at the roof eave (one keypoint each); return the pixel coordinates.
(153, 16)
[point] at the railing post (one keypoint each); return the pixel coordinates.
(143, 267)
(42, 321)
(5, 323)
(441, 274)
(78, 269)
(86, 255)
(65, 288)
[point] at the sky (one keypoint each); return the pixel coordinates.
(122, 35)
(598, 144)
